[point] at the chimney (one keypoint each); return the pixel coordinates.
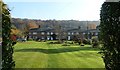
(39, 26)
(79, 27)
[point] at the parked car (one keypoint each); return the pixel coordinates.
(21, 39)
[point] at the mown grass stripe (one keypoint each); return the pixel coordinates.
(44, 55)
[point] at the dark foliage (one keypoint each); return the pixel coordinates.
(7, 43)
(76, 39)
(66, 44)
(57, 42)
(110, 35)
(86, 41)
(95, 43)
(26, 24)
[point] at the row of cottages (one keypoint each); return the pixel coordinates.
(64, 34)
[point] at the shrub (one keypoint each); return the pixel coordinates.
(110, 35)
(86, 41)
(82, 44)
(66, 44)
(57, 42)
(30, 39)
(95, 42)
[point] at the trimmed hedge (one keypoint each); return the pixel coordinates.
(7, 43)
(110, 34)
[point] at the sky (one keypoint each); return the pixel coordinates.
(56, 9)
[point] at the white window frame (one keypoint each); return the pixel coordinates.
(42, 33)
(34, 33)
(51, 33)
(48, 33)
(68, 33)
(72, 33)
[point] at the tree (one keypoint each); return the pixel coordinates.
(14, 30)
(58, 29)
(109, 32)
(7, 49)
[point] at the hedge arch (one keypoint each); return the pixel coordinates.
(110, 34)
(7, 43)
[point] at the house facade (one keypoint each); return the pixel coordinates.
(64, 34)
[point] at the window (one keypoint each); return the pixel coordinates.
(34, 33)
(42, 33)
(48, 33)
(88, 33)
(43, 38)
(68, 37)
(34, 37)
(84, 33)
(30, 37)
(48, 37)
(72, 33)
(51, 33)
(96, 33)
(77, 33)
(68, 33)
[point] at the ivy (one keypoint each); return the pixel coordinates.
(7, 49)
(110, 34)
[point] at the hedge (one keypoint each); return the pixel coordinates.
(7, 49)
(110, 34)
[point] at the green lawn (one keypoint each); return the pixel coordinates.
(43, 55)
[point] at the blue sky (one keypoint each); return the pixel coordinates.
(56, 9)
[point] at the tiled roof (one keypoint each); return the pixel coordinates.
(65, 30)
(91, 30)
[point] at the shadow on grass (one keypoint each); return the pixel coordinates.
(59, 50)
